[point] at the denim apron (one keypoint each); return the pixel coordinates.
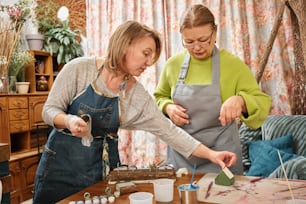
(203, 103)
(66, 165)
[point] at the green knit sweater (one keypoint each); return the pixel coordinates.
(235, 79)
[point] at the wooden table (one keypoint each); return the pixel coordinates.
(248, 190)
(99, 189)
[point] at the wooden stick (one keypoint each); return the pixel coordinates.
(284, 171)
(265, 57)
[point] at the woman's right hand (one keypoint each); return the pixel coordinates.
(177, 114)
(77, 126)
(223, 158)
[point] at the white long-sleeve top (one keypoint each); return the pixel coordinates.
(138, 109)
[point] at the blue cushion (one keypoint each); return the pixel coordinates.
(264, 157)
(283, 143)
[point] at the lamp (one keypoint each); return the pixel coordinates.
(63, 13)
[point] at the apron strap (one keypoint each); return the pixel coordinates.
(215, 66)
(184, 69)
(105, 159)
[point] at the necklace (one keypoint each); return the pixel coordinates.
(123, 85)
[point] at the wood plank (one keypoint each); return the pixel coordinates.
(6, 183)
(4, 152)
(21, 155)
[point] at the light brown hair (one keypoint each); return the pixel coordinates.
(197, 15)
(125, 35)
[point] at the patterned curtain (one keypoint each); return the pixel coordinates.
(244, 27)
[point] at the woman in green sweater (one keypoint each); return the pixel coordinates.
(203, 90)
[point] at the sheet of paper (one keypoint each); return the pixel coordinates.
(250, 190)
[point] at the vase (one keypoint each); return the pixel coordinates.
(35, 41)
(4, 81)
(3, 84)
(42, 84)
(12, 84)
(22, 87)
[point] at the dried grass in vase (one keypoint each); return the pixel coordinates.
(9, 38)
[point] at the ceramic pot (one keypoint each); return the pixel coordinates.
(22, 87)
(35, 41)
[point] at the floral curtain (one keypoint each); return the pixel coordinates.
(244, 28)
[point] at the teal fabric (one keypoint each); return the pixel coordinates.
(264, 157)
(283, 143)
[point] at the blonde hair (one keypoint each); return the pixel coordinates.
(125, 35)
(197, 15)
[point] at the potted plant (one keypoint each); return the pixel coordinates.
(19, 13)
(59, 39)
(45, 15)
(20, 60)
(62, 42)
(44, 20)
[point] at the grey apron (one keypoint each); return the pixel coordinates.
(203, 103)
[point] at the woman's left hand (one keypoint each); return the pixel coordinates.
(231, 109)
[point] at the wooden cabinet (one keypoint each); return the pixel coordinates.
(24, 116)
(24, 113)
(28, 166)
(20, 116)
(22, 126)
(36, 104)
(44, 66)
(19, 123)
(4, 121)
(22, 171)
(16, 182)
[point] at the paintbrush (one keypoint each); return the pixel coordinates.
(208, 190)
(284, 171)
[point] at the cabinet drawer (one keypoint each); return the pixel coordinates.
(19, 114)
(18, 102)
(19, 126)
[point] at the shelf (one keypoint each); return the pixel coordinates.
(20, 155)
(19, 142)
(43, 66)
(42, 74)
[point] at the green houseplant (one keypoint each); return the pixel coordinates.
(45, 15)
(20, 60)
(62, 42)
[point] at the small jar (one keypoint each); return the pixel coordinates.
(42, 84)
